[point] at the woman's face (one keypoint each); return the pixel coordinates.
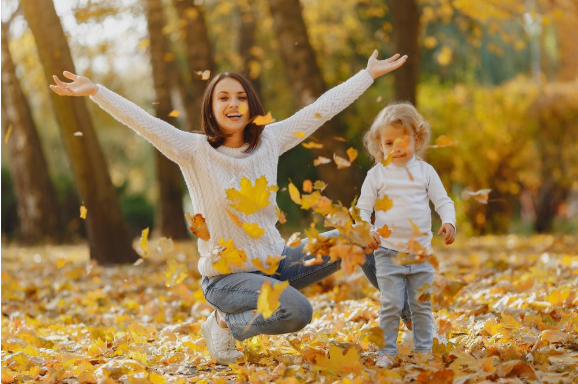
(230, 106)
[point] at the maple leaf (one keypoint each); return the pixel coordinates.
(341, 362)
(229, 255)
(263, 120)
(272, 264)
(321, 160)
(319, 185)
(253, 230)
(268, 300)
(144, 240)
(83, 212)
(383, 204)
(351, 154)
(341, 162)
(294, 193)
(480, 196)
(384, 231)
(312, 145)
(351, 256)
(198, 226)
(249, 199)
(294, 240)
(307, 186)
(235, 218)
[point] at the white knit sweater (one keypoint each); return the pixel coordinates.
(410, 196)
(208, 172)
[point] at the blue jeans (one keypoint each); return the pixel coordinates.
(236, 294)
(397, 284)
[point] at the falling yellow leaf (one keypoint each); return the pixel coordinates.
(480, 196)
(229, 255)
(253, 230)
(198, 226)
(352, 154)
(268, 300)
(319, 185)
(175, 273)
(384, 231)
(339, 138)
(387, 160)
(383, 204)
(264, 120)
(272, 264)
(234, 218)
(251, 198)
(321, 160)
(294, 193)
(341, 362)
(205, 75)
(341, 162)
(174, 113)
(307, 186)
(443, 141)
(281, 215)
(144, 240)
(243, 108)
(351, 256)
(299, 134)
(8, 134)
(294, 240)
(83, 212)
(312, 144)
(60, 263)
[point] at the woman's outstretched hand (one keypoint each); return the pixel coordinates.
(378, 68)
(80, 86)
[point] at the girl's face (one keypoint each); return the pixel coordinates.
(228, 96)
(403, 149)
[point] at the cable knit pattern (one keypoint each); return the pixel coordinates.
(209, 172)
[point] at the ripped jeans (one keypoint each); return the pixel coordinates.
(236, 294)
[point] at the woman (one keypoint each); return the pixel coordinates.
(232, 151)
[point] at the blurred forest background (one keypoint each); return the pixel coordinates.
(498, 77)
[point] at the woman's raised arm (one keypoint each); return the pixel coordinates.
(175, 144)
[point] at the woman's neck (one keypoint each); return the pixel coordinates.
(235, 141)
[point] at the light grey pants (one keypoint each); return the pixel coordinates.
(236, 294)
(397, 284)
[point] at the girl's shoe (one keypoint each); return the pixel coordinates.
(384, 362)
(220, 342)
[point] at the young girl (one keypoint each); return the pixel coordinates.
(400, 192)
(232, 148)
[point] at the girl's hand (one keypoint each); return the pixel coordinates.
(378, 68)
(449, 231)
(375, 241)
(80, 86)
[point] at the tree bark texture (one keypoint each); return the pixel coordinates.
(170, 216)
(307, 85)
(108, 234)
(405, 42)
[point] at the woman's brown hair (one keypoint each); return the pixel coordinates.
(214, 134)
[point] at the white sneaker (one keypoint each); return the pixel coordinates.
(384, 362)
(220, 341)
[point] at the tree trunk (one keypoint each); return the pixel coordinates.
(247, 44)
(108, 235)
(405, 42)
(307, 85)
(37, 205)
(199, 53)
(170, 215)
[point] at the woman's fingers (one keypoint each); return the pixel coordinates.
(61, 91)
(59, 83)
(70, 75)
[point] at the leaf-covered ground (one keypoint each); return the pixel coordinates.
(507, 306)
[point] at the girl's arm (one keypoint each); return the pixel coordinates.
(444, 206)
(175, 144)
(310, 118)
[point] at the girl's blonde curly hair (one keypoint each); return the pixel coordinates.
(409, 118)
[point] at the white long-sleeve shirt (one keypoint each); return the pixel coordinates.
(209, 172)
(410, 201)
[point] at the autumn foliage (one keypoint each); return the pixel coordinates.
(506, 305)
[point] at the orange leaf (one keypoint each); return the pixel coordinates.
(384, 231)
(198, 226)
(352, 154)
(281, 215)
(443, 141)
(294, 240)
(268, 300)
(307, 186)
(341, 162)
(318, 259)
(234, 218)
(264, 120)
(351, 256)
